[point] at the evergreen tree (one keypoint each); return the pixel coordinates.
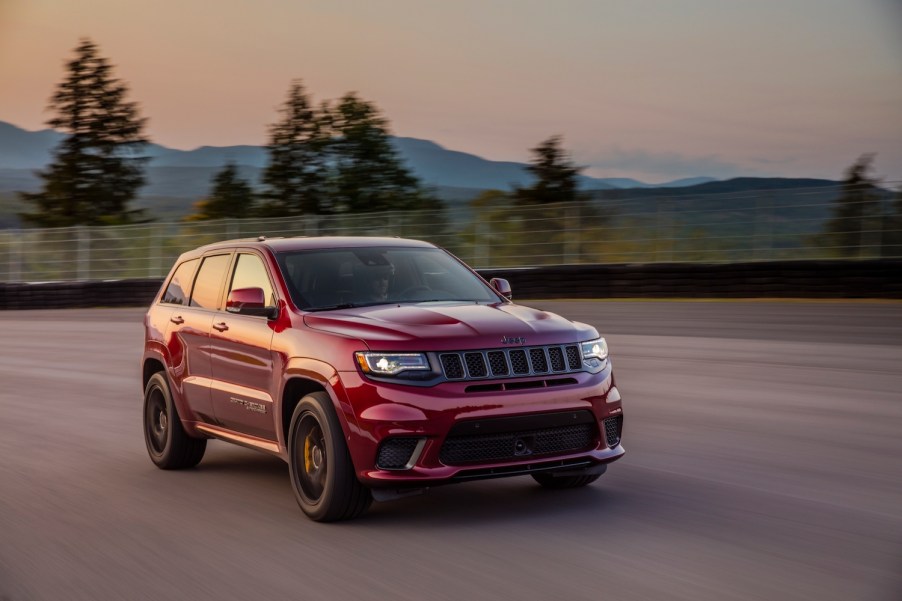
(368, 174)
(854, 211)
(96, 169)
(555, 175)
(231, 196)
(295, 176)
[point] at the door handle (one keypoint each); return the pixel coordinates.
(177, 320)
(221, 326)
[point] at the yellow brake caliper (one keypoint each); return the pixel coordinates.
(308, 454)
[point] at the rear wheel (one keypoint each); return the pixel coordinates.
(322, 474)
(169, 447)
(548, 480)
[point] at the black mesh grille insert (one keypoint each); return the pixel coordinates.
(511, 446)
(518, 362)
(475, 365)
(613, 426)
(539, 362)
(573, 358)
(498, 363)
(394, 453)
(454, 369)
(557, 358)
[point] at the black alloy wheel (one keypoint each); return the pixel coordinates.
(322, 473)
(168, 445)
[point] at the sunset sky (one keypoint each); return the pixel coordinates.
(653, 89)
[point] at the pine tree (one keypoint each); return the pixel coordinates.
(230, 197)
(295, 176)
(368, 174)
(855, 210)
(97, 170)
(555, 175)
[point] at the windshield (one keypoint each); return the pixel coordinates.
(354, 277)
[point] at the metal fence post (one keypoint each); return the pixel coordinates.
(15, 256)
(571, 230)
(153, 264)
(83, 267)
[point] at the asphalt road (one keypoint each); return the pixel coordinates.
(764, 461)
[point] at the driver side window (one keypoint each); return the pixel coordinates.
(250, 272)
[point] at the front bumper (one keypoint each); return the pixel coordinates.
(426, 417)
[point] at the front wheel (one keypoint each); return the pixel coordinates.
(169, 447)
(322, 474)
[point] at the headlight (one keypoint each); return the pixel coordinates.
(595, 349)
(390, 364)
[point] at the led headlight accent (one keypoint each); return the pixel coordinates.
(595, 349)
(390, 364)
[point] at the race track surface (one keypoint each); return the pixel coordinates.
(764, 461)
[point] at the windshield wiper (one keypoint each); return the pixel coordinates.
(348, 306)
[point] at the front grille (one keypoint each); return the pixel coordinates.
(557, 358)
(613, 427)
(511, 439)
(510, 363)
(452, 366)
(395, 453)
(573, 358)
(539, 363)
(518, 362)
(498, 363)
(475, 365)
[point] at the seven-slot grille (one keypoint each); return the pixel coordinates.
(511, 363)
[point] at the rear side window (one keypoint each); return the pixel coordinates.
(180, 285)
(208, 284)
(250, 272)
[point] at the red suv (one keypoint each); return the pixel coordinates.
(375, 367)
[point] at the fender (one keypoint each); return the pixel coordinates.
(158, 352)
(326, 376)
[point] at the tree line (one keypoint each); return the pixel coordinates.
(335, 157)
(330, 158)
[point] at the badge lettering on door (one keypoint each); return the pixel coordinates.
(249, 405)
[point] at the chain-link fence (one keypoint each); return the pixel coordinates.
(737, 227)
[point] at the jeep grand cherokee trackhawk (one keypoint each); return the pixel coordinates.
(375, 367)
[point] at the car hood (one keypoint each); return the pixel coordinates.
(449, 326)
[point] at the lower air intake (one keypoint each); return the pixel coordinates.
(509, 446)
(394, 453)
(613, 427)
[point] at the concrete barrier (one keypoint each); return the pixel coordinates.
(778, 279)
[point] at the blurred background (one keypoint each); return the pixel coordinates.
(634, 149)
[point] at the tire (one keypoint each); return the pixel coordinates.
(322, 474)
(169, 447)
(549, 480)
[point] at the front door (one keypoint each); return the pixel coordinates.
(242, 360)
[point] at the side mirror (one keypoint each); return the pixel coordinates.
(250, 301)
(502, 286)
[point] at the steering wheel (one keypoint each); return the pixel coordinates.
(414, 290)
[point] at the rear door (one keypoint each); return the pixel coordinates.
(242, 359)
(188, 338)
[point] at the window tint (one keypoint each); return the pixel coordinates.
(322, 279)
(250, 272)
(209, 282)
(180, 285)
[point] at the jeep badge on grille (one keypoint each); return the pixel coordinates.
(513, 340)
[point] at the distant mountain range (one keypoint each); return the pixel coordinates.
(187, 173)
